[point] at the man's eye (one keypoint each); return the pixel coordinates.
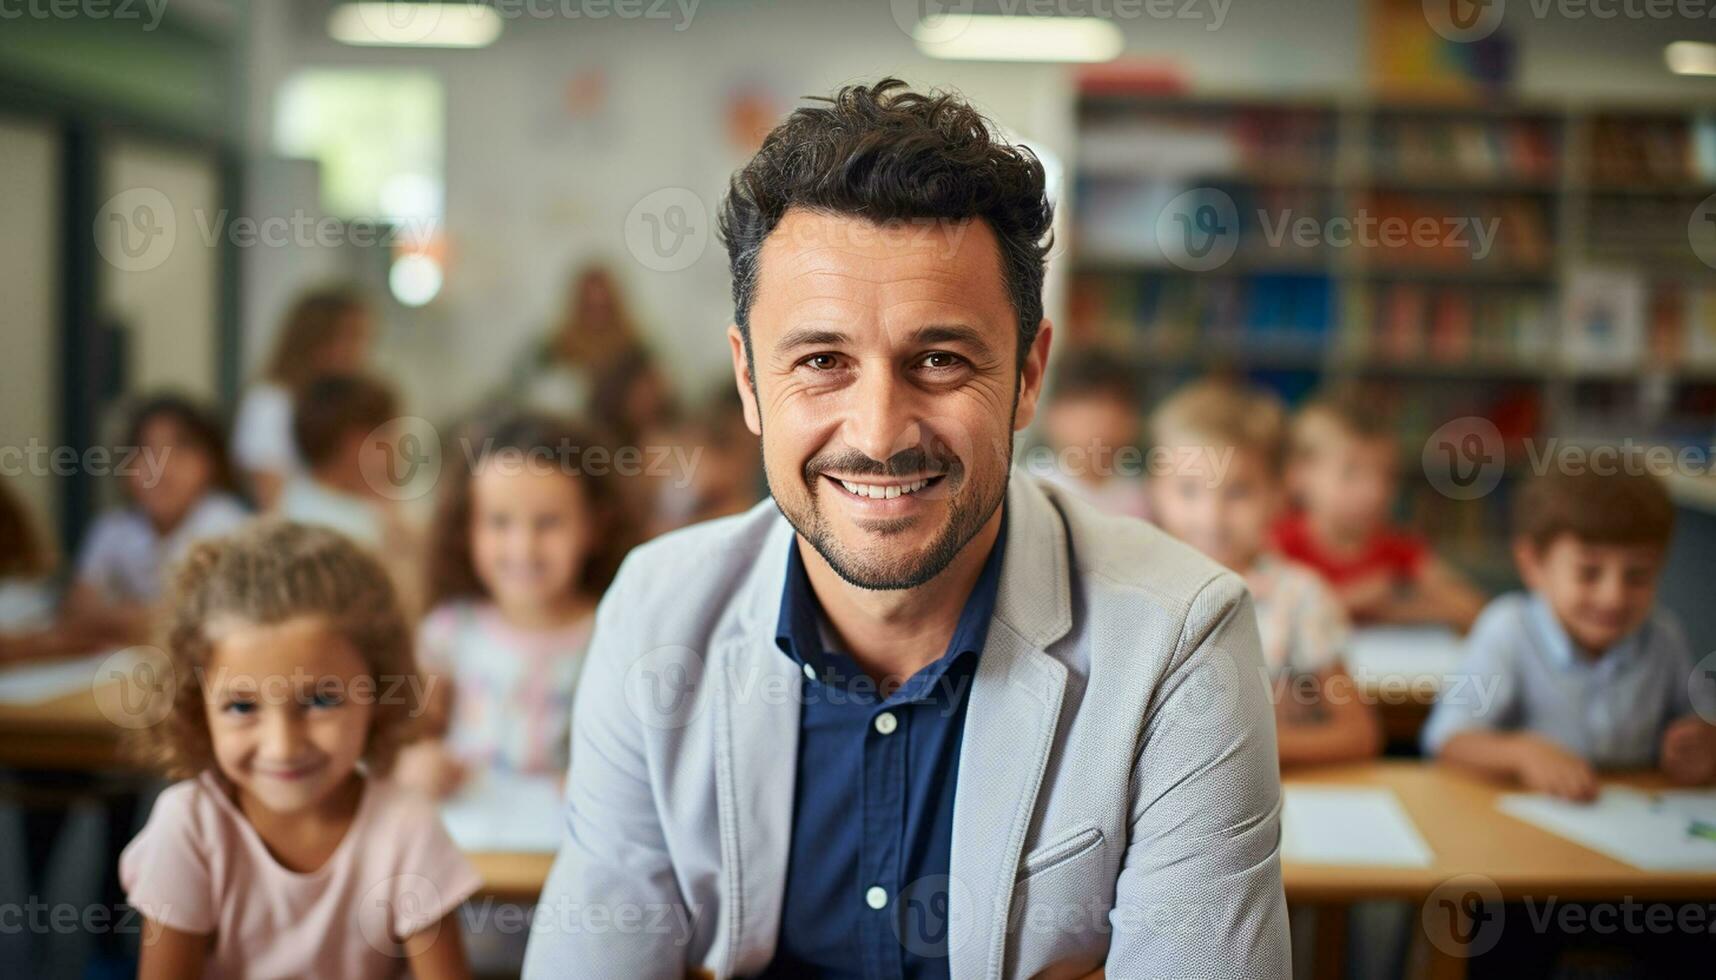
(822, 362)
(940, 359)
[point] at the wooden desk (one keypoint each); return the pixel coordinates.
(512, 877)
(72, 731)
(1456, 814)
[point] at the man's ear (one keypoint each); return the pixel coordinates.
(742, 378)
(1528, 558)
(1031, 375)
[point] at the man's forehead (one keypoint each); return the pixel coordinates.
(818, 259)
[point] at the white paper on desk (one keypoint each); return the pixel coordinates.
(1339, 825)
(1410, 652)
(502, 811)
(36, 683)
(1645, 830)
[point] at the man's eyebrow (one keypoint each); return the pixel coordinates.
(810, 337)
(951, 333)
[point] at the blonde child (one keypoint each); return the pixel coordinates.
(525, 540)
(1221, 495)
(1344, 474)
(285, 850)
(180, 489)
(326, 331)
(1586, 672)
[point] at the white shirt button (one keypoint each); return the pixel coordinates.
(876, 897)
(810, 671)
(886, 723)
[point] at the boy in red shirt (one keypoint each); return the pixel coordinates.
(1344, 474)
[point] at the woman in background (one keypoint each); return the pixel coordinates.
(560, 375)
(327, 331)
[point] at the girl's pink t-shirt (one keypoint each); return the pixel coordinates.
(200, 867)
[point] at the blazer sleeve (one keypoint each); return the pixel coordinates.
(1199, 892)
(613, 882)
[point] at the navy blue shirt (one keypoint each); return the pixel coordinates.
(867, 876)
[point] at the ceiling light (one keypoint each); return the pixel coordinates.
(455, 24)
(1691, 58)
(985, 37)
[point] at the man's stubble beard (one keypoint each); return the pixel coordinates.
(970, 510)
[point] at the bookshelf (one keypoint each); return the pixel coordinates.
(1527, 262)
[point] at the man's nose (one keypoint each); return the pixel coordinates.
(881, 419)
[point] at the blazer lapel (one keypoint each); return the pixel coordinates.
(1010, 723)
(757, 697)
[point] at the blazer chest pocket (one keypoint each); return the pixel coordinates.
(1058, 852)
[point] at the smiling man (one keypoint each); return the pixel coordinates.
(923, 716)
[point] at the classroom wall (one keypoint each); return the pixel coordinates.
(29, 255)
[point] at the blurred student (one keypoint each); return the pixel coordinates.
(1221, 495)
(1343, 472)
(180, 489)
(1092, 425)
(285, 850)
(524, 542)
(559, 375)
(26, 573)
(1583, 672)
(327, 331)
(714, 470)
(333, 429)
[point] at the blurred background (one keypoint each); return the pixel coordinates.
(177, 173)
(1500, 216)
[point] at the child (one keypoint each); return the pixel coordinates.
(1092, 426)
(525, 541)
(1585, 672)
(26, 598)
(181, 489)
(327, 331)
(1221, 495)
(332, 426)
(1344, 476)
(284, 850)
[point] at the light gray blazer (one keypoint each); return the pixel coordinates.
(1118, 798)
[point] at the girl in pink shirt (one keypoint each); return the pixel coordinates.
(288, 686)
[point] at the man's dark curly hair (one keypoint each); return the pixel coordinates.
(886, 153)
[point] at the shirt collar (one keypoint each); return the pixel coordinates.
(1560, 644)
(797, 633)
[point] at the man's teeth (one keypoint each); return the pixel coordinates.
(883, 493)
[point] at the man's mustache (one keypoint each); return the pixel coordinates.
(915, 461)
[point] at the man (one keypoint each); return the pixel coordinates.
(939, 721)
